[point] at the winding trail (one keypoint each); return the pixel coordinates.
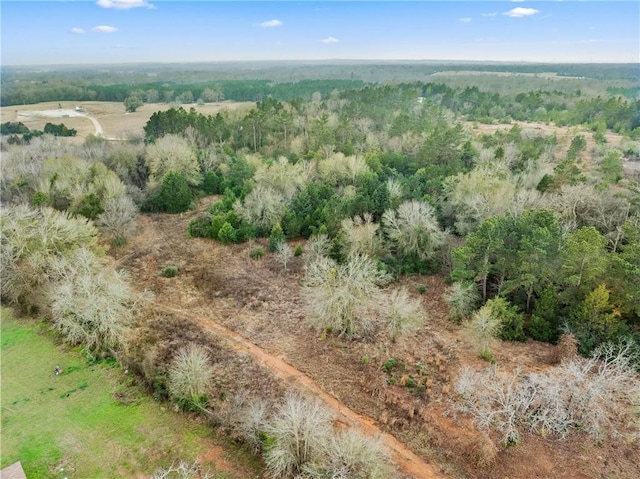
(60, 113)
(408, 462)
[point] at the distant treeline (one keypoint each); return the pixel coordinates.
(152, 92)
(18, 128)
(254, 81)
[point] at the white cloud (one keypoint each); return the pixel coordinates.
(124, 4)
(465, 20)
(77, 30)
(520, 12)
(492, 14)
(104, 29)
(270, 24)
(330, 40)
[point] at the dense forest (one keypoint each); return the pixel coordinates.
(255, 81)
(536, 233)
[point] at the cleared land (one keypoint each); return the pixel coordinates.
(111, 116)
(90, 421)
(221, 286)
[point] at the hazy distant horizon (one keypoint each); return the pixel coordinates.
(327, 61)
(105, 32)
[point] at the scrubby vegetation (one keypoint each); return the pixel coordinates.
(351, 194)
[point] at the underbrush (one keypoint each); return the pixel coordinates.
(580, 394)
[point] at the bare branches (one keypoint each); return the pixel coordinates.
(300, 432)
(413, 229)
(183, 470)
(579, 394)
(361, 236)
(190, 374)
(339, 295)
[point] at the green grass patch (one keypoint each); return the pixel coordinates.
(89, 421)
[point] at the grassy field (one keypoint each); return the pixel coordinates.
(111, 115)
(89, 421)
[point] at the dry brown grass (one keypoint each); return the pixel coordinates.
(115, 122)
(222, 284)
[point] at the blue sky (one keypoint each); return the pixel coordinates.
(121, 31)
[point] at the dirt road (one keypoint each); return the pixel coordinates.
(62, 114)
(408, 462)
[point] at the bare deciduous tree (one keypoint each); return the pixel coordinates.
(92, 304)
(317, 247)
(339, 296)
(482, 329)
(350, 455)
(263, 207)
(33, 240)
(402, 313)
(118, 218)
(579, 394)
(190, 374)
(300, 431)
(172, 153)
(253, 424)
(182, 470)
(360, 236)
(284, 253)
(463, 298)
(413, 229)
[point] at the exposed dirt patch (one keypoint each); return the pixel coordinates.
(259, 310)
(111, 116)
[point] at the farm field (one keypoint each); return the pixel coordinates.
(91, 421)
(115, 122)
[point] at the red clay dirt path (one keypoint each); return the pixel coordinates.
(408, 462)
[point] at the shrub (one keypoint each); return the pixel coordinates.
(543, 325)
(174, 195)
(511, 321)
(227, 234)
(190, 375)
(339, 297)
(298, 251)
(89, 206)
(276, 237)
(463, 298)
(482, 329)
(257, 252)
(402, 313)
(170, 272)
(201, 226)
(593, 321)
(298, 436)
(39, 199)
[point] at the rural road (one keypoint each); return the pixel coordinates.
(408, 462)
(63, 114)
